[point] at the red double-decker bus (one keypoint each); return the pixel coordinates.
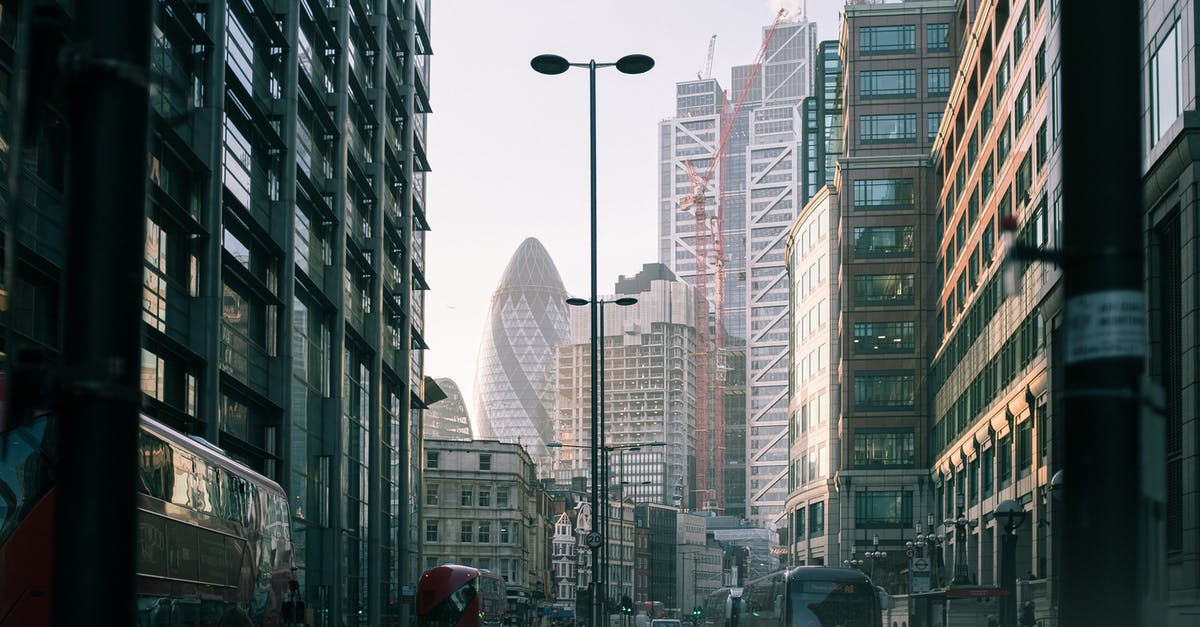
(213, 542)
(460, 596)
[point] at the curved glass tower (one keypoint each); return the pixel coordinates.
(514, 377)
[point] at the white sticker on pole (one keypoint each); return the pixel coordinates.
(1105, 325)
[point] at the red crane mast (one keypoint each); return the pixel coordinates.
(710, 433)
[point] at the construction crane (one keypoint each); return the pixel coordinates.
(712, 47)
(710, 433)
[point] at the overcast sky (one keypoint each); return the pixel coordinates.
(508, 147)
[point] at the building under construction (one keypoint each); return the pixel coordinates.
(729, 186)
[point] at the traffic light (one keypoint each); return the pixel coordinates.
(697, 611)
(626, 604)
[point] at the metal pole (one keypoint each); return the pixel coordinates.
(596, 581)
(1008, 575)
(1105, 313)
(109, 106)
(604, 481)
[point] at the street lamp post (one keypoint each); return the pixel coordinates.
(1012, 515)
(598, 362)
(875, 554)
(961, 525)
(552, 64)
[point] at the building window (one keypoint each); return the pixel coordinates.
(1004, 460)
(873, 338)
(502, 498)
(937, 81)
(932, 121)
(874, 448)
(887, 83)
(1021, 33)
(485, 461)
(937, 37)
(431, 531)
(884, 390)
(431, 459)
(485, 498)
(888, 128)
(1023, 104)
(890, 509)
(465, 534)
(883, 289)
(816, 519)
(1003, 74)
(504, 536)
(432, 494)
(465, 497)
(883, 194)
(887, 39)
(799, 522)
(1025, 448)
(485, 533)
(1164, 85)
(883, 241)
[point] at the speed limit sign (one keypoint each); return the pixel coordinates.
(594, 540)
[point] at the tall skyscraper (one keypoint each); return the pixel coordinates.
(859, 312)
(751, 200)
(514, 380)
(284, 261)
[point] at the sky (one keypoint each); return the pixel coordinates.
(508, 148)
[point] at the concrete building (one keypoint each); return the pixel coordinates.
(996, 156)
(648, 386)
(514, 380)
(448, 418)
(483, 506)
(284, 262)
(1170, 160)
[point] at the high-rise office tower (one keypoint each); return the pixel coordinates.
(751, 200)
(649, 395)
(514, 379)
(284, 261)
(859, 306)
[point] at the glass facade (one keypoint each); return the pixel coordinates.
(278, 324)
(514, 385)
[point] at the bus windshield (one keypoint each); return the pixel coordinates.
(833, 604)
(27, 460)
(450, 610)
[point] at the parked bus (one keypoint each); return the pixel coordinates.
(812, 596)
(460, 596)
(212, 540)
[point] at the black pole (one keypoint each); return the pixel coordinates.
(604, 482)
(1008, 576)
(1105, 312)
(597, 580)
(106, 195)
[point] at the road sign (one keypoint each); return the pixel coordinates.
(910, 552)
(921, 579)
(594, 540)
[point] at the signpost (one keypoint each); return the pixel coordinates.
(919, 575)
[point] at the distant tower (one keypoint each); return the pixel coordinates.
(448, 418)
(514, 383)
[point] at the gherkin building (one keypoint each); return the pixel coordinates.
(514, 376)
